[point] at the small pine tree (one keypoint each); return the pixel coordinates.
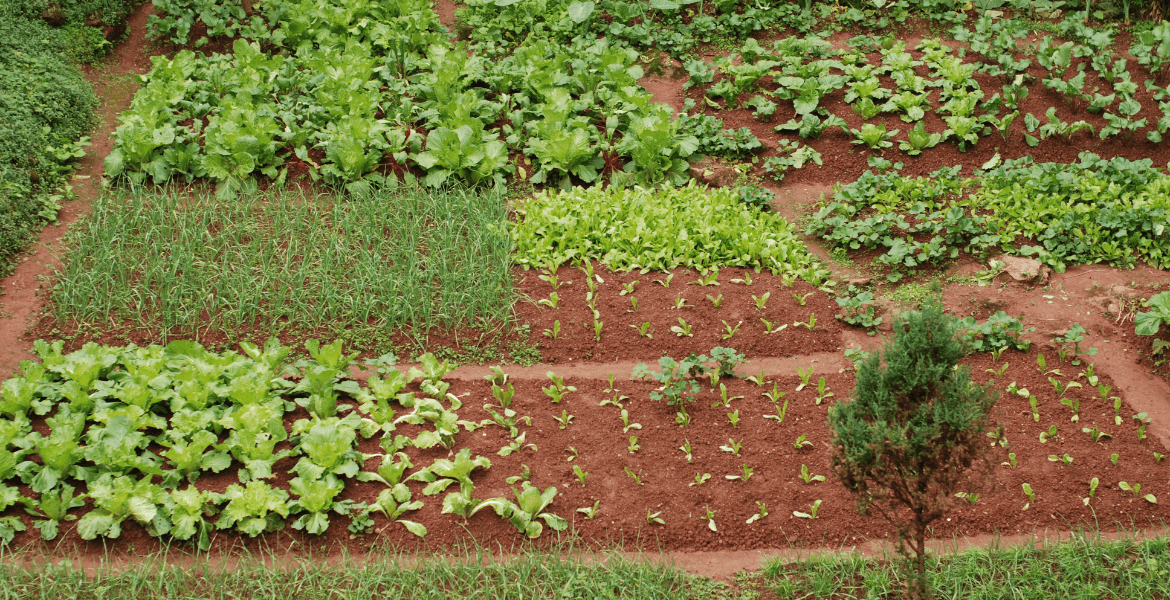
(913, 431)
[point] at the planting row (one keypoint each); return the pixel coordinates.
(805, 70)
(184, 443)
(1108, 211)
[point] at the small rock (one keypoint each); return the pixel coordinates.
(859, 281)
(1024, 270)
(1125, 291)
(713, 174)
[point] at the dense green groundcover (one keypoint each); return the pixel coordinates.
(637, 228)
(46, 106)
(1113, 211)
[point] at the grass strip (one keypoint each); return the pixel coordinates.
(1084, 567)
(535, 575)
(288, 259)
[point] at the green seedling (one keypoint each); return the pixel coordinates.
(812, 511)
(611, 389)
(516, 445)
(554, 332)
(635, 476)
(812, 322)
(525, 475)
(1143, 421)
(1093, 483)
(761, 300)
(652, 518)
(997, 373)
(724, 399)
(686, 448)
(552, 280)
(759, 380)
(805, 376)
(643, 329)
(1096, 434)
(1047, 436)
(801, 299)
(665, 282)
(628, 288)
(808, 477)
(747, 474)
(573, 454)
(1011, 461)
(770, 327)
(732, 446)
(822, 391)
(558, 390)
(633, 304)
(729, 331)
(1136, 489)
(1075, 405)
(1113, 458)
(996, 353)
(1066, 459)
(707, 279)
(597, 325)
(998, 437)
(590, 511)
(680, 302)
(1035, 408)
(1158, 457)
(551, 302)
(801, 442)
(716, 301)
(634, 446)
(1041, 362)
(1090, 374)
(781, 411)
(733, 418)
(1116, 410)
(565, 419)
(682, 418)
(1103, 390)
(682, 329)
(971, 499)
(747, 278)
(1030, 494)
(775, 395)
(700, 479)
(1062, 388)
(761, 512)
(710, 518)
(626, 424)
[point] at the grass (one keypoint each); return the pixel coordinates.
(288, 259)
(534, 575)
(1084, 567)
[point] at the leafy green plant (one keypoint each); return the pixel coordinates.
(812, 511)
(528, 511)
(1149, 323)
(807, 476)
(1136, 490)
(874, 136)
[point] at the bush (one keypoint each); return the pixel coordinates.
(913, 430)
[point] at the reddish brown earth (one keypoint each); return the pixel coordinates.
(1083, 295)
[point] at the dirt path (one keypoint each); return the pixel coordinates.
(25, 289)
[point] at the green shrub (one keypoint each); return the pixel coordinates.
(912, 432)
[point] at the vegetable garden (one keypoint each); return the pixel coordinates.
(365, 275)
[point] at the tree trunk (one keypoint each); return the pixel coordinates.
(247, 7)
